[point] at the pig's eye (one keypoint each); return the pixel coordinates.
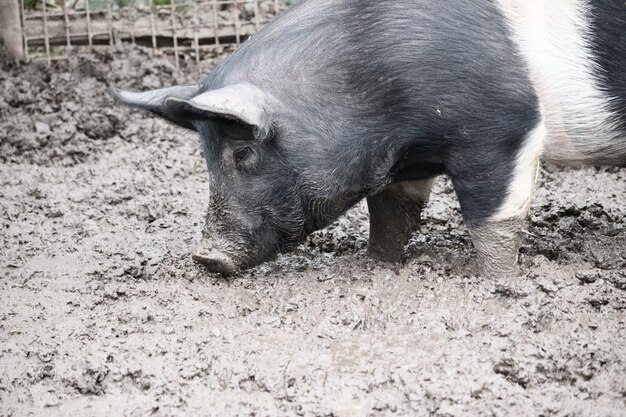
(241, 154)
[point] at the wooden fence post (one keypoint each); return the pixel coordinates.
(11, 28)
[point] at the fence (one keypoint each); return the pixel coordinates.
(54, 30)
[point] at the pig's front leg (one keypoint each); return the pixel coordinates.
(495, 198)
(497, 246)
(394, 216)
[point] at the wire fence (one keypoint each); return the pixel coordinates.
(184, 28)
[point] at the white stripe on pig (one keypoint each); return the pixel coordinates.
(553, 36)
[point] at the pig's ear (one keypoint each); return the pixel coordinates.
(243, 103)
(156, 101)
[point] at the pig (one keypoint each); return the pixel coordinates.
(335, 101)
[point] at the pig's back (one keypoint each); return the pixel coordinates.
(576, 54)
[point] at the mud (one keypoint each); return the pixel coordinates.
(103, 312)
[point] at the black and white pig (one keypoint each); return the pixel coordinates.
(339, 100)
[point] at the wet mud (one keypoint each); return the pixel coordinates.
(103, 312)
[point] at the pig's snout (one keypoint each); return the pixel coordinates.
(214, 260)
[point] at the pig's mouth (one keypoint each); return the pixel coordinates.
(226, 259)
(214, 260)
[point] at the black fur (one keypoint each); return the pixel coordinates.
(369, 84)
(366, 93)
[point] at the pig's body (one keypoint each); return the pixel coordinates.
(338, 100)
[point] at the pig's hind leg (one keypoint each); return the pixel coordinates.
(394, 215)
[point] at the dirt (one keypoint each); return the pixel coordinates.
(103, 312)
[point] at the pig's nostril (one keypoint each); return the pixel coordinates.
(214, 261)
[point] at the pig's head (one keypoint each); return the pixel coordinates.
(257, 207)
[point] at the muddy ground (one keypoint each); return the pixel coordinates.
(103, 312)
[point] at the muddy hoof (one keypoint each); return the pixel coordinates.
(215, 262)
(393, 256)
